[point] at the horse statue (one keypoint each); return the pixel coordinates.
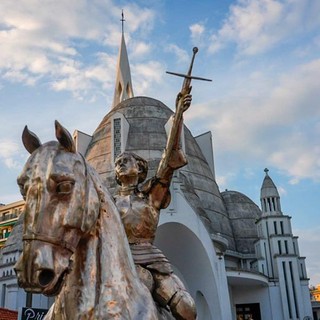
(74, 243)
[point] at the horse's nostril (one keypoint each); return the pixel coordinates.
(45, 277)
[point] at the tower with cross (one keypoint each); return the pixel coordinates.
(123, 87)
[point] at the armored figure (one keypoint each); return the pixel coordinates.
(139, 204)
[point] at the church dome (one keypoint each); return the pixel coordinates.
(143, 122)
(243, 213)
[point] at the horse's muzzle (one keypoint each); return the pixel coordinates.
(41, 272)
(23, 277)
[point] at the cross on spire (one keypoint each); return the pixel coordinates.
(122, 21)
(123, 86)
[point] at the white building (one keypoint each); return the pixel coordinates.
(236, 260)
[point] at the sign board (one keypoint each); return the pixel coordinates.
(32, 313)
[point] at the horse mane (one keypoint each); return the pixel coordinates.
(110, 271)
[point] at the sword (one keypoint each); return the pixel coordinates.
(186, 86)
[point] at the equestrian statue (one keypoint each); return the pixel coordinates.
(92, 250)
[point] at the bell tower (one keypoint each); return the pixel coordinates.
(270, 199)
(278, 255)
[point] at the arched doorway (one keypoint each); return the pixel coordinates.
(191, 262)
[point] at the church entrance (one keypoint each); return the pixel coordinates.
(248, 311)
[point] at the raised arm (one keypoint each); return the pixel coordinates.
(173, 157)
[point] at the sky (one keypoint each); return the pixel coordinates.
(58, 61)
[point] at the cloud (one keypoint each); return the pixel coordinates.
(146, 75)
(223, 181)
(49, 42)
(255, 26)
(84, 80)
(8, 154)
(197, 30)
(141, 18)
(19, 76)
(276, 124)
(181, 54)
(282, 191)
(139, 49)
(197, 33)
(8, 148)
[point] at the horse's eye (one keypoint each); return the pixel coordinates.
(64, 187)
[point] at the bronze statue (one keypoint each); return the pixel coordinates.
(89, 251)
(140, 207)
(140, 203)
(74, 244)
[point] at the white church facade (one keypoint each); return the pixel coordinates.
(238, 261)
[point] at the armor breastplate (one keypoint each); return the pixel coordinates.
(140, 219)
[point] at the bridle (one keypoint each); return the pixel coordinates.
(45, 238)
(68, 245)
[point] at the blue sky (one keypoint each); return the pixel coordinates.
(58, 59)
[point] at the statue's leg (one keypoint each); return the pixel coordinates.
(145, 277)
(169, 290)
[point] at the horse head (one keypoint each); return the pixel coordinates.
(55, 186)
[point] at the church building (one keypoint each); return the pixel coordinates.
(237, 260)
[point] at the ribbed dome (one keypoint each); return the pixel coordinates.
(243, 213)
(146, 118)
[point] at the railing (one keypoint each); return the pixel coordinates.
(8, 217)
(245, 270)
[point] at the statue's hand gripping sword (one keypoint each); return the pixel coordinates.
(174, 134)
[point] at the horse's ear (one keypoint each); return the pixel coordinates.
(30, 140)
(64, 137)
